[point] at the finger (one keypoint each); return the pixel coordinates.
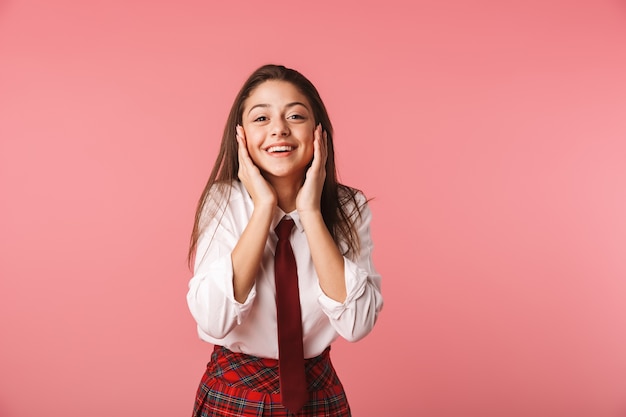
(240, 131)
(239, 135)
(320, 134)
(240, 157)
(315, 164)
(322, 152)
(324, 146)
(243, 149)
(245, 162)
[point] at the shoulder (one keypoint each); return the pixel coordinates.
(224, 193)
(221, 197)
(346, 192)
(351, 200)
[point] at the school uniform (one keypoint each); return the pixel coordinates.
(242, 376)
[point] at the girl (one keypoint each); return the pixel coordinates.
(273, 229)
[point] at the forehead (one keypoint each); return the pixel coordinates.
(275, 93)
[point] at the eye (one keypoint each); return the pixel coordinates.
(295, 116)
(260, 119)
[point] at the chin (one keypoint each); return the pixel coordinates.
(280, 173)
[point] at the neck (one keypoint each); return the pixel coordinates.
(286, 192)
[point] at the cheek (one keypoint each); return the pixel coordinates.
(255, 154)
(253, 139)
(254, 149)
(311, 149)
(309, 153)
(311, 145)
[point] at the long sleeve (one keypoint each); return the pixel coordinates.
(211, 297)
(355, 317)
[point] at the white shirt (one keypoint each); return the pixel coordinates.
(250, 327)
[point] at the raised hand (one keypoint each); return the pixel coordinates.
(310, 195)
(260, 190)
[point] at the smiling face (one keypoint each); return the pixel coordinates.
(279, 126)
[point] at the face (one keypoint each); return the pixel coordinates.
(279, 126)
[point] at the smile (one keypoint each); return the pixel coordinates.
(283, 148)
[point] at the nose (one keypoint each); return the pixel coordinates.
(279, 127)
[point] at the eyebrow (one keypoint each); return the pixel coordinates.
(295, 103)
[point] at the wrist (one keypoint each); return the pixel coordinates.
(264, 205)
(265, 210)
(264, 201)
(310, 216)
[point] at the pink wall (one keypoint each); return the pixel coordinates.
(492, 135)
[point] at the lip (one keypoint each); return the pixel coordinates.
(279, 144)
(280, 154)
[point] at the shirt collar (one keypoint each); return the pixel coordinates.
(279, 214)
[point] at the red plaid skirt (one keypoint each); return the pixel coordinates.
(236, 384)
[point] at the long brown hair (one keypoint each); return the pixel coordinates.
(339, 207)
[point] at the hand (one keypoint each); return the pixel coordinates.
(260, 190)
(310, 195)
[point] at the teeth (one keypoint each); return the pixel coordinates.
(280, 149)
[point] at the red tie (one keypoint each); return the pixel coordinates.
(293, 385)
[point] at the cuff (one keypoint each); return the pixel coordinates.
(225, 285)
(356, 279)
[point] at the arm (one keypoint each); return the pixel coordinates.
(227, 260)
(355, 317)
(328, 261)
(248, 252)
(326, 257)
(351, 295)
(211, 296)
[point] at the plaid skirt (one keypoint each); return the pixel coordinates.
(236, 384)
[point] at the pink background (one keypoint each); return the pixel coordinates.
(492, 135)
